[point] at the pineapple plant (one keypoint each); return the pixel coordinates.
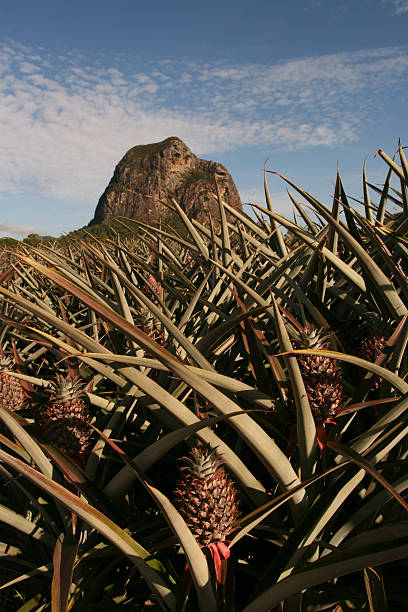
(206, 498)
(321, 375)
(332, 534)
(12, 394)
(64, 419)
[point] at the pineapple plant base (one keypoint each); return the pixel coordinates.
(64, 419)
(205, 497)
(12, 394)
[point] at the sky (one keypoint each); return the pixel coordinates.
(306, 84)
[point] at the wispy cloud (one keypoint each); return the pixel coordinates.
(399, 6)
(15, 231)
(66, 120)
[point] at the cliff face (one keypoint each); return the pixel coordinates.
(163, 170)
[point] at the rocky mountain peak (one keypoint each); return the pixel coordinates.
(161, 171)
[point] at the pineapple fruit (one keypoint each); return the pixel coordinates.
(64, 419)
(372, 345)
(205, 496)
(376, 335)
(12, 393)
(151, 286)
(321, 375)
(370, 349)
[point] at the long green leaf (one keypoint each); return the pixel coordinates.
(26, 441)
(383, 284)
(305, 425)
(349, 453)
(364, 512)
(15, 520)
(226, 243)
(374, 585)
(261, 443)
(337, 263)
(367, 201)
(191, 229)
(251, 520)
(277, 238)
(332, 566)
(397, 382)
(63, 561)
(151, 569)
(170, 403)
(395, 167)
(197, 562)
(42, 569)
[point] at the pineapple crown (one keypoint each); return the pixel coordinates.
(311, 337)
(203, 461)
(68, 388)
(5, 363)
(375, 325)
(145, 317)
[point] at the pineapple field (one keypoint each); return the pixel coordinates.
(213, 419)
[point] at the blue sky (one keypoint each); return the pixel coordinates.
(305, 83)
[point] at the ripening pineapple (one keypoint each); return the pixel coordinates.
(63, 420)
(370, 348)
(205, 497)
(376, 333)
(12, 393)
(321, 375)
(151, 286)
